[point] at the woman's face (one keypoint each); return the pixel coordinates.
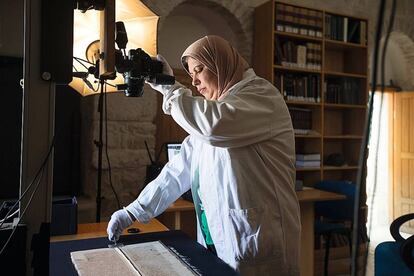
(203, 79)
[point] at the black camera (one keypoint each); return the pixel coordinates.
(137, 67)
(85, 5)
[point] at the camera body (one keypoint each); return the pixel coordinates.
(137, 68)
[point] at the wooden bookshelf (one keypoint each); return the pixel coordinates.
(287, 38)
(305, 51)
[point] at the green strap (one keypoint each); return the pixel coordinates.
(204, 228)
(194, 188)
(195, 185)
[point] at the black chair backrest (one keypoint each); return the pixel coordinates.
(337, 209)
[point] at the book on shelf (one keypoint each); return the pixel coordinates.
(149, 258)
(353, 30)
(308, 157)
(314, 56)
(304, 21)
(298, 20)
(306, 132)
(299, 131)
(346, 29)
(363, 33)
(298, 87)
(303, 55)
(342, 90)
(308, 164)
(301, 118)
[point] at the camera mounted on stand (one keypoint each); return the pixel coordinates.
(136, 67)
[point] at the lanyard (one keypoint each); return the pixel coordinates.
(196, 199)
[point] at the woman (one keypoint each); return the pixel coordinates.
(238, 161)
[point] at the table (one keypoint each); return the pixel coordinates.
(177, 208)
(94, 230)
(307, 197)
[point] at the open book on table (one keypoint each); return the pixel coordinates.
(143, 259)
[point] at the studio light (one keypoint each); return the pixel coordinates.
(141, 26)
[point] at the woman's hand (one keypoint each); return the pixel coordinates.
(119, 221)
(166, 70)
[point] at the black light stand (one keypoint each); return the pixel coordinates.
(99, 145)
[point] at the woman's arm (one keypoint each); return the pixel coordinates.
(253, 114)
(171, 183)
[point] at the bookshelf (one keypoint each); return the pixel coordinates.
(318, 60)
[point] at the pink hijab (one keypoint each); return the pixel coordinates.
(220, 58)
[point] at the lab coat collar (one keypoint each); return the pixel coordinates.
(248, 76)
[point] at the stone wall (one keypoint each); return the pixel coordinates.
(130, 124)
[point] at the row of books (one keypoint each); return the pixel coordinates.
(342, 91)
(310, 160)
(345, 29)
(299, 20)
(299, 55)
(301, 119)
(294, 87)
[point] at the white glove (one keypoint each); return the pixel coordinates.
(166, 70)
(119, 221)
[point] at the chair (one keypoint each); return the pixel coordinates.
(396, 257)
(334, 217)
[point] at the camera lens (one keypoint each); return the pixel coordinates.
(135, 86)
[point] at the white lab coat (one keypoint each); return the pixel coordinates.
(243, 146)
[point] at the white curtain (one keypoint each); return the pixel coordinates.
(378, 163)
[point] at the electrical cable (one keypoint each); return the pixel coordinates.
(148, 151)
(3, 205)
(106, 152)
(79, 61)
(364, 145)
(10, 216)
(107, 83)
(95, 90)
(34, 179)
(85, 80)
(374, 189)
(20, 217)
(84, 60)
(89, 84)
(159, 152)
(24, 210)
